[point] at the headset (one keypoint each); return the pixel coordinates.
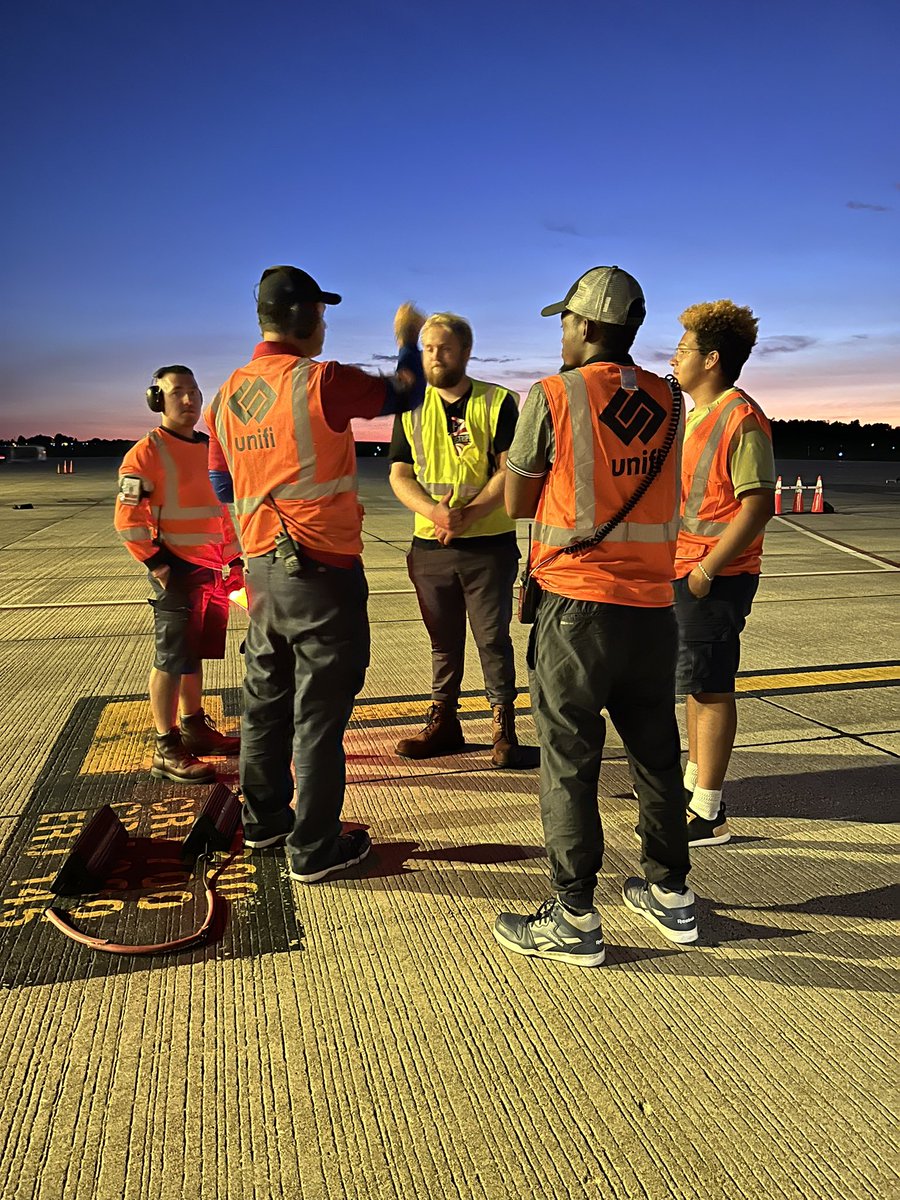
(156, 397)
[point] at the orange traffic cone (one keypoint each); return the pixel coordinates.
(58, 471)
(818, 504)
(778, 496)
(71, 466)
(798, 496)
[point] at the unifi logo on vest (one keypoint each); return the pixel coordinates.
(264, 440)
(633, 414)
(252, 401)
(636, 465)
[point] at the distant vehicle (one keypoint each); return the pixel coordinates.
(27, 454)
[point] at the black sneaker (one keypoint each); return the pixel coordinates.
(677, 921)
(263, 843)
(708, 833)
(351, 849)
(553, 933)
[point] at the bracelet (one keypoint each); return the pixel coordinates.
(702, 569)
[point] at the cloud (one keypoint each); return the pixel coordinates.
(477, 358)
(860, 337)
(868, 207)
(380, 358)
(565, 227)
(786, 344)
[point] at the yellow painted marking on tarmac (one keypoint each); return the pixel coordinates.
(821, 678)
(124, 721)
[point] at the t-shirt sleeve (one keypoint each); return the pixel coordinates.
(752, 460)
(532, 450)
(401, 450)
(506, 423)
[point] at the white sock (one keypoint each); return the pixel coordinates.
(690, 776)
(706, 803)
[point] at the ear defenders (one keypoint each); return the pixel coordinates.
(156, 400)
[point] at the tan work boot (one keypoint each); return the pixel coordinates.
(172, 761)
(442, 734)
(506, 745)
(200, 736)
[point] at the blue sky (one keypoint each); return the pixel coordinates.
(471, 157)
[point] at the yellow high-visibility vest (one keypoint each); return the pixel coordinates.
(440, 471)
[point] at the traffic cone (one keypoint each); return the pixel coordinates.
(778, 496)
(798, 496)
(818, 504)
(58, 471)
(71, 466)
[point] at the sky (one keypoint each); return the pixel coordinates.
(468, 157)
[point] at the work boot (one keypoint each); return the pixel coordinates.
(171, 760)
(442, 734)
(506, 745)
(200, 736)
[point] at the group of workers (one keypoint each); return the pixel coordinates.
(624, 494)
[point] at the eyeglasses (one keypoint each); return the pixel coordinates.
(680, 351)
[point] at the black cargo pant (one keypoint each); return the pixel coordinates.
(451, 583)
(582, 657)
(307, 650)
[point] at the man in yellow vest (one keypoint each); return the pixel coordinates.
(728, 497)
(170, 521)
(448, 461)
(595, 462)
(282, 447)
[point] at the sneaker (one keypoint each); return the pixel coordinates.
(672, 913)
(553, 932)
(708, 833)
(351, 849)
(263, 843)
(200, 736)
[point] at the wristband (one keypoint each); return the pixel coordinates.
(703, 571)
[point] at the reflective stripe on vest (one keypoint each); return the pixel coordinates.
(303, 486)
(690, 519)
(583, 461)
(172, 513)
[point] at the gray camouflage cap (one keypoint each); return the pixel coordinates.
(606, 294)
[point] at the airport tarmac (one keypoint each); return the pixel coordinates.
(366, 1037)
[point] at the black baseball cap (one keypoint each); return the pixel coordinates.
(290, 285)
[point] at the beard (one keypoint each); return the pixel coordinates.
(444, 377)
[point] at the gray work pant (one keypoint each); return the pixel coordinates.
(307, 650)
(585, 656)
(452, 583)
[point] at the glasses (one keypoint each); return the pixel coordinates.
(680, 351)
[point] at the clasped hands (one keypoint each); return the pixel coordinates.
(451, 522)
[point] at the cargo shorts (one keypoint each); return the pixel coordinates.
(709, 633)
(190, 619)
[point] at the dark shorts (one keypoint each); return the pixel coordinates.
(709, 633)
(190, 619)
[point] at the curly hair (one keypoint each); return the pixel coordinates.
(726, 327)
(458, 326)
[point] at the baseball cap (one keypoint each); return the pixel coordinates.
(606, 294)
(290, 285)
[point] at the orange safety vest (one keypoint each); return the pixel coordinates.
(609, 424)
(709, 504)
(269, 421)
(178, 507)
